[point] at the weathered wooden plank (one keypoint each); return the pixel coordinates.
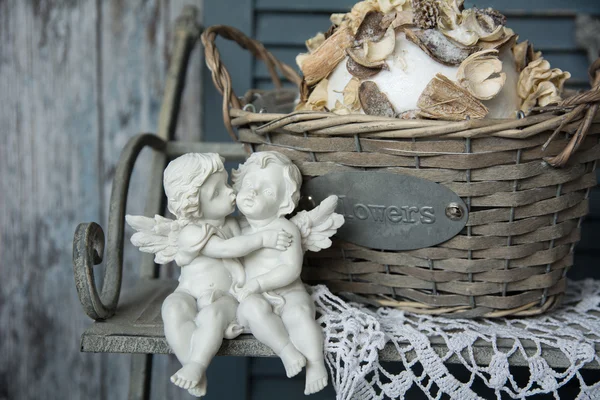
(189, 124)
(131, 80)
(48, 183)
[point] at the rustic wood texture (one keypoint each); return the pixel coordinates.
(77, 80)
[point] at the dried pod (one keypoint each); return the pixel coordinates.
(481, 74)
(360, 71)
(426, 13)
(319, 64)
(314, 42)
(509, 39)
(444, 99)
(378, 51)
(373, 101)
(438, 47)
(370, 28)
(540, 85)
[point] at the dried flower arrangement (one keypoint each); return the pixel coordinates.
(424, 59)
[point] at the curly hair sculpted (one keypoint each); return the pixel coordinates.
(183, 178)
(291, 176)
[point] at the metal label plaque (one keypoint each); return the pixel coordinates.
(390, 211)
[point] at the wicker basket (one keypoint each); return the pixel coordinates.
(526, 202)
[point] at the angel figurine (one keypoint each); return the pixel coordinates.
(204, 240)
(274, 303)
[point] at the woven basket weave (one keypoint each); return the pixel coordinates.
(526, 202)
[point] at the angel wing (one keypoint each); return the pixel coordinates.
(318, 225)
(156, 235)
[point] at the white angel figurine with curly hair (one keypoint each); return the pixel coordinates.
(204, 241)
(274, 303)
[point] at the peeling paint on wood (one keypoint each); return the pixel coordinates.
(77, 80)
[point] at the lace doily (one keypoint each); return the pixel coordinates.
(354, 334)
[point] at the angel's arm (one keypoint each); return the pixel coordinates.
(238, 246)
(287, 271)
(241, 246)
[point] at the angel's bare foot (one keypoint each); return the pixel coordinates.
(316, 377)
(292, 359)
(200, 389)
(189, 375)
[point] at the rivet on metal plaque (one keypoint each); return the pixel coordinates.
(454, 211)
(391, 211)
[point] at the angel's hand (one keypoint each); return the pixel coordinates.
(251, 287)
(276, 239)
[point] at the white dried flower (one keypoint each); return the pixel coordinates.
(481, 74)
(540, 85)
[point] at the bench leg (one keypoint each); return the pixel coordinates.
(139, 381)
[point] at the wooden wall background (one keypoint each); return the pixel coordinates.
(78, 79)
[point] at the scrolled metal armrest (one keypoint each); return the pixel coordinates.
(89, 243)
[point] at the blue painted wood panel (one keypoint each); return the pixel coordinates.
(581, 6)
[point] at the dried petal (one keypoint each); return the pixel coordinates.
(378, 51)
(340, 109)
(336, 19)
(330, 31)
(317, 101)
(540, 85)
(438, 46)
(481, 75)
(386, 6)
(403, 18)
(351, 98)
(359, 56)
(523, 54)
(409, 114)
(373, 101)
(360, 71)
(472, 25)
(358, 13)
(449, 14)
(520, 55)
(314, 42)
(508, 40)
(443, 99)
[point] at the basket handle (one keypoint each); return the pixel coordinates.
(220, 75)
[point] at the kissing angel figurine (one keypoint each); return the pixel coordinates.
(206, 242)
(274, 303)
